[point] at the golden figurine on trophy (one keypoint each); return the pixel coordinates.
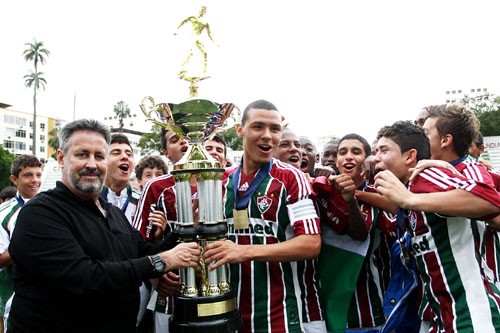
(198, 27)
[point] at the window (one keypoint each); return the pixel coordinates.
(472, 90)
(460, 91)
(42, 149)
(9, 119)
(20, 145)
(31, 135)
(42, 137)
(8, 144)
(454, 92)
(447, 92)
(485, 90)
(20, 133)
(31, 124)
(42, 126)
(10, 132)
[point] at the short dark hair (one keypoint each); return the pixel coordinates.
(407, 136)
(120, 138)
(7, 193)
(220, 139)
(457, 120)
(479, 139)
(354, 136)
(259, 104)
(150, 162)
(82, 125)
(24, 161)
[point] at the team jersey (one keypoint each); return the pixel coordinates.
(461, 297)
(267, 293)
(8, 217)
(126, 200)
(158, 193)
(486, 240)
(366, 308)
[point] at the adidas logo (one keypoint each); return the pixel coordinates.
(243, 187)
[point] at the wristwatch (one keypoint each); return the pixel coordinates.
(158, 264)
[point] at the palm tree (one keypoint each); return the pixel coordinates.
(37, 53)
(121, 111)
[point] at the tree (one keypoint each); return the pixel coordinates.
(233, 141)
(54, 141)
(122, 111)
(37, 53)
(6, 159)
(487, 111)
(150, 142)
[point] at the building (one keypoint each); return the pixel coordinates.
(17, 132)
(464, 96)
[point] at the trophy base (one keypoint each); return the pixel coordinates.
(205, 314)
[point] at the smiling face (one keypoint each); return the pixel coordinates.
(216, 150)
(120, 165)
(350, 158)
(389, 157)
(28, 181)
(261, 135)
(309, 155)
(84, 164)
(289, 149)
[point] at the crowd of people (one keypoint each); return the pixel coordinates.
(400, 235)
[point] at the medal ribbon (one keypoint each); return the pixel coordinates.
(242, 203)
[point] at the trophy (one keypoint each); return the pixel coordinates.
(204, 304)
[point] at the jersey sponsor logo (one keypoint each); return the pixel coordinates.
(243, 187)
(420, 245)
(264, 203)
(261, 228)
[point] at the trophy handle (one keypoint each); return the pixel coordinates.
(160, 114)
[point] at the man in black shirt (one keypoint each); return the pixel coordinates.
(78, 261)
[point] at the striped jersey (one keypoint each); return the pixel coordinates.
(8, 218)
(366, 309)
(126, 200)
(461, 297)
(267, 293)
(486, 239)
(159, 193)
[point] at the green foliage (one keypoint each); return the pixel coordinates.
(233, 140)
(488, 113)
(6, 159)
(150, 142)
(54, 141)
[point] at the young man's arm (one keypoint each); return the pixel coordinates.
(454, 202)
(300, 247)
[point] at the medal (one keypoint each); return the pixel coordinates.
(240, 219)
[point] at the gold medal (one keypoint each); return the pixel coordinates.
(240, 219)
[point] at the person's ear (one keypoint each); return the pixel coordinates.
(317, 158)
(411, 157)
(239, 130)
(446, 140)
(13, 179)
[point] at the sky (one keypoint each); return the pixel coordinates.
(331, 67)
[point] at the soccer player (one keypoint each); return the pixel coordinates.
(26, 175)
(440, 206)
(307, 270)
(272, 224)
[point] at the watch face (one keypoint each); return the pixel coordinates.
(158, 264)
